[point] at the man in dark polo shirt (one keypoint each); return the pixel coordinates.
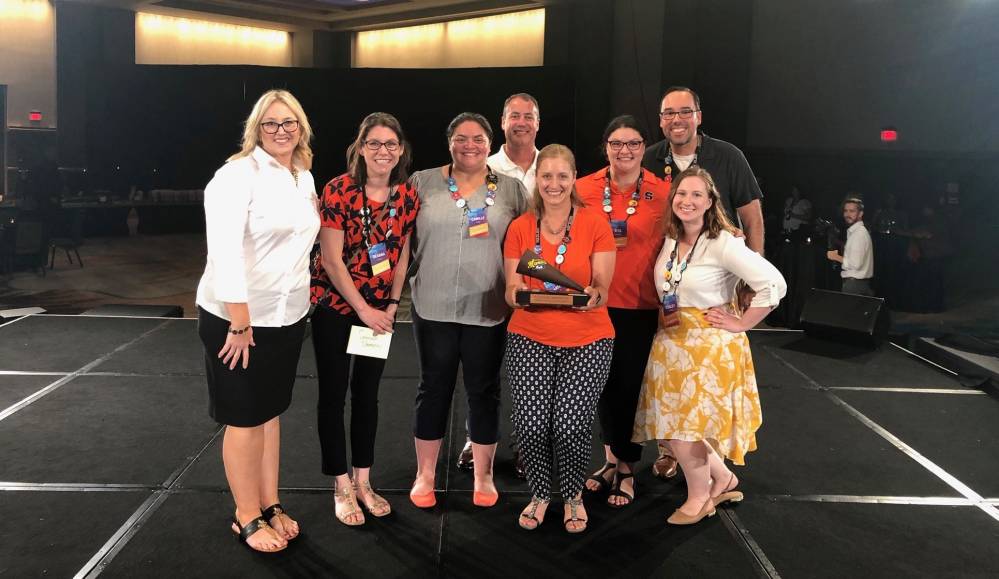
(679, 117)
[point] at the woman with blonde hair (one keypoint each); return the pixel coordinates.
(699, 391)
(557, 359)
(261, 222)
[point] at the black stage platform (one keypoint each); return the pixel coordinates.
(873, 464)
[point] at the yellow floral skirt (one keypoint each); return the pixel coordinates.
(700, 385)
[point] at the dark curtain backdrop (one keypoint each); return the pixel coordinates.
(173, 126)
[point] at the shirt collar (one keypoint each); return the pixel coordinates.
(264, 158)
(707, 150)
(859, 224)
(508, 165)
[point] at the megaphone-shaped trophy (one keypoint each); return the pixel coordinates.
(532, 265)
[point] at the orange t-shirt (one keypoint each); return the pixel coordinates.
(633, 286)
(564, 327)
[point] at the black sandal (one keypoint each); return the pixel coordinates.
(598, 477)
(274, 510)
(246, 531)
(617, 492)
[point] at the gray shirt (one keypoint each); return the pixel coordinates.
(454, 277)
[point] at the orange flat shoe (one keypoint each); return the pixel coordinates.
(480, 499)
(424, 501)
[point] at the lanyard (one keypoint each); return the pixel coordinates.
(560, 252)
(669, 158)
(670, 282)
(632, 203)
(566, 239)
(460, 202)
(367, 219)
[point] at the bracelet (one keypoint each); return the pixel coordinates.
(236, 332)
(392, 301)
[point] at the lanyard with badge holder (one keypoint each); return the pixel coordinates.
(668, 173)
(378, 252)
(620, 226)
(478, 225)
(670, 302)
(560, 251)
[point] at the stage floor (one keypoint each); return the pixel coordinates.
(870, 464)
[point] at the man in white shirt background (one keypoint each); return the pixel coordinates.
(857, 261)
(518, 156)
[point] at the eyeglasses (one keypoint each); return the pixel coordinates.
(374, 145)
(682, 113)
(461, 141)
(632, 145)
(271, 127)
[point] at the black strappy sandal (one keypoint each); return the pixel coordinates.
(617, 492)
(246, 531)
(574, 505)
(598, 477)
(274, 510)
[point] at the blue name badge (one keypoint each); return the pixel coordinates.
(670, 311)
(620, 229)
(478, 226)
(378, 256)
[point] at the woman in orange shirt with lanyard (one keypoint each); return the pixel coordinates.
(633, 200)
(557, 359)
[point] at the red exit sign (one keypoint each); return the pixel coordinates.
(35, 116)
(889, 135)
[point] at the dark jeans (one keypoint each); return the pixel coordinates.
(330, 333)
(860, 287)
(479, 349)
(634, 331)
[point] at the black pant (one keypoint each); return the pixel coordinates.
(330, 333)
(479, 349)
(634, 331)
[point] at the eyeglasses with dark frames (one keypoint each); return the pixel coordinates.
(632, 145)
(271, 127)
(374, 145)
(682, 113)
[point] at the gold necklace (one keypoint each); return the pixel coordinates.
(294, 175)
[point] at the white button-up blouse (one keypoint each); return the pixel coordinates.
(260, 229)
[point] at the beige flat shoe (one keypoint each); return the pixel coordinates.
(378, 506)
(345, 505)
(680, 518)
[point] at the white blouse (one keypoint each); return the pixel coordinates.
(260, 229)
(715, 269)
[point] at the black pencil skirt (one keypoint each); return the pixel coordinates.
(262, 391)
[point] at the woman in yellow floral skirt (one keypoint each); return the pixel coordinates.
(699, 391)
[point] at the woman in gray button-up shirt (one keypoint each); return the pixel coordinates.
(459, 311)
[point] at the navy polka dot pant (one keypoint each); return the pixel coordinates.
(555, 392)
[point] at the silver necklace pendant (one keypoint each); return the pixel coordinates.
(460, 203)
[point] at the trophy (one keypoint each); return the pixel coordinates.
(532, 265)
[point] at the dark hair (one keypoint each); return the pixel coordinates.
(475, 118)
(522, 96)
(621, 122)
(715, 218)
(677, 88)
(555, 151)
(356, 166)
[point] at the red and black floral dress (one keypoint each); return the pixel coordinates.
(342, 206)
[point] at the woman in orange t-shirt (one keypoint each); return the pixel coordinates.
(557, 359)
(634, 201)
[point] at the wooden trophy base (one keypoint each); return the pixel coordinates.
(530, 298)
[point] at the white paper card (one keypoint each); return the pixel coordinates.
(364, 342)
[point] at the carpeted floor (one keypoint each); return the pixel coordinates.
(870, 464)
